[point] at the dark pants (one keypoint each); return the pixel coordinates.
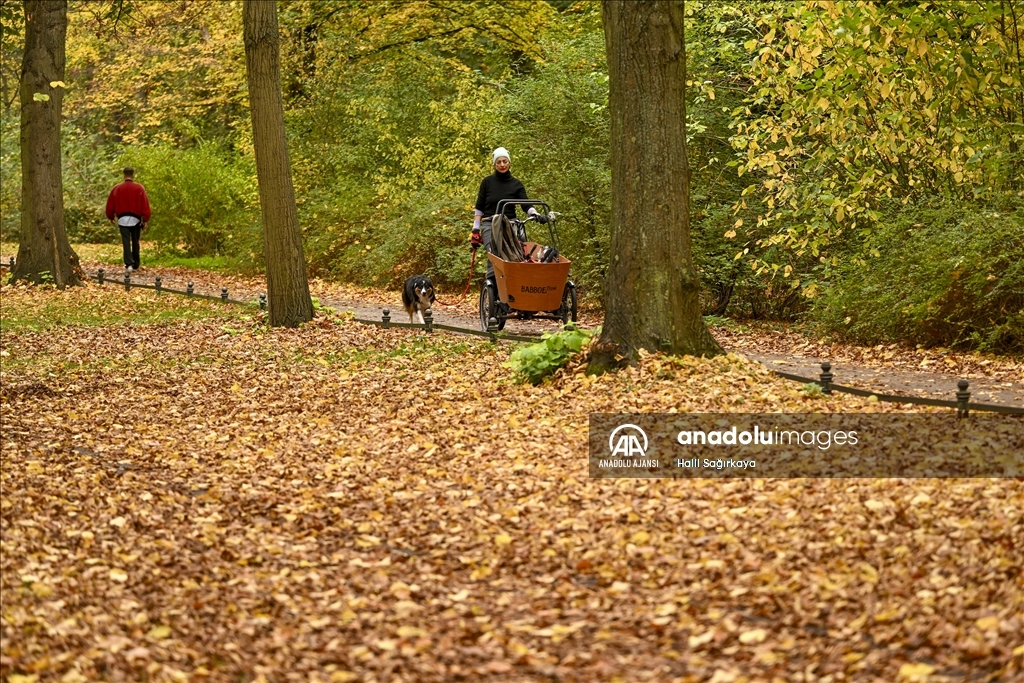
(485, 232)
(130, 242)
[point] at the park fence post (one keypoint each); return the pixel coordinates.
(962, 398)
(492, 328)
(159, 282)
(223, 293)
(10, 264)
(127, 280)
(263, 301)
(99, 275)
(386, 319)
(428, 320)
(826, 378)
(190, 289)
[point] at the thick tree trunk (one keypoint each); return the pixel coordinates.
(44, 253)
(287, 286)
(651, 293)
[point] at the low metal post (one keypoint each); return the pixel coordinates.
(963, 398)
(99, 275)
(826, 378)
(223, 293)
(263, 302)
(159, 283)
(428, 320)
(10, 263)
(386, 318)
(492, 328)
(127, 280)
(190, 289)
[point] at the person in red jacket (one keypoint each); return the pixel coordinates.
(129, 206)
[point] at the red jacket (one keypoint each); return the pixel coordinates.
(128, 197)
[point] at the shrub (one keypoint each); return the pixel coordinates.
(535, 362)
(89, 172)
(204, 201)
(941, 276)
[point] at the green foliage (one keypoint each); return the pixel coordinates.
(10, 177)
(204, 201)
(853, 104)
(943, 276)
(535, 362)
(164, 72)
(90, 170)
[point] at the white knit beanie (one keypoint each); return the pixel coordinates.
(499, 153)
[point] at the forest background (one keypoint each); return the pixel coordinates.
(856, 166)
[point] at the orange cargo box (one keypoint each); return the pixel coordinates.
(529, 286)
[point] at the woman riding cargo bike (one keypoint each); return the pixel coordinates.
(522, 276)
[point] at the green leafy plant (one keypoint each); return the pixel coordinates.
(950, 275)
(813, 390)
(535, 362)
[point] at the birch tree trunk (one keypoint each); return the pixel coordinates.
(287, 287)
(651, 293)
(44, 253)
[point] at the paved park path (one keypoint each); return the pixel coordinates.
(892, 369)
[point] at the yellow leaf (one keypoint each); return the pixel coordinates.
(823, 104)
(411, 632)
(666, 609)
(887, 615)
(640, 537)
(343, 677)
(41, 590)
(159, 632)
(704, 638)
(118, 522)
(987, 623)
(19, 678)
(367, 541)
(118, 575)
(730, 234)
(757, 635)
(502, 539)
(916, 671)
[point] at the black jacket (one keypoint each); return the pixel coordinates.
(496, 187)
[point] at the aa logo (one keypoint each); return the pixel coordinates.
(628, 444)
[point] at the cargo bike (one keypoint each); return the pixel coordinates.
(531, 280)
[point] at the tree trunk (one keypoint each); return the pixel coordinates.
(44, 253)
(287, 286)
(651, 292)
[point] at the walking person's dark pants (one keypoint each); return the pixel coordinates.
(485, 232)
(130, 242)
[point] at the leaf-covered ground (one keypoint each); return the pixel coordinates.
(202, 498)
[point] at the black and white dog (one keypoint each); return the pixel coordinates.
(418, 295)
